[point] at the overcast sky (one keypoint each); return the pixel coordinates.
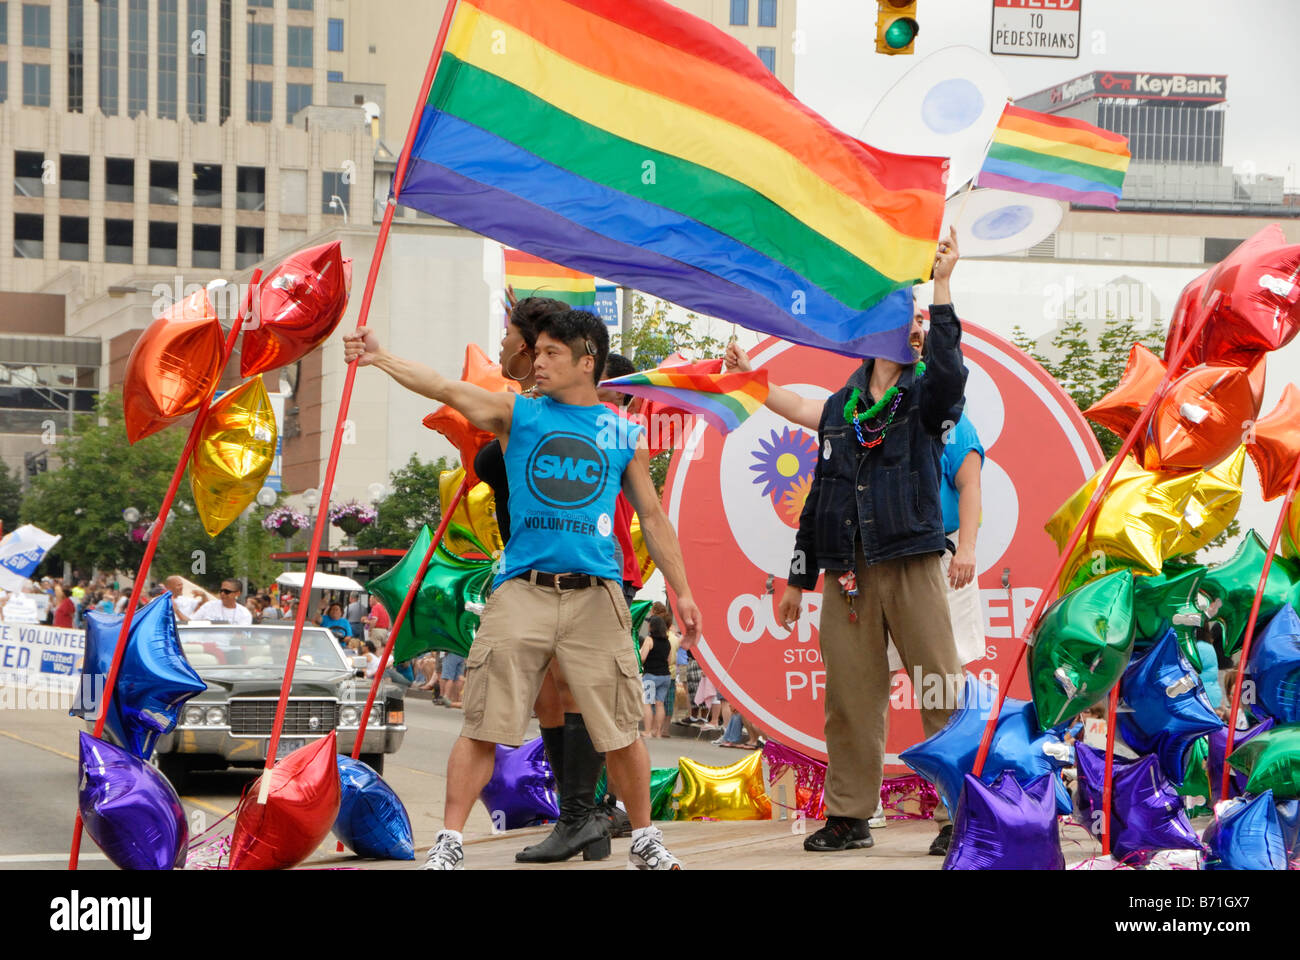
(841, 76)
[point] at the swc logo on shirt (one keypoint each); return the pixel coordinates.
(567, 470)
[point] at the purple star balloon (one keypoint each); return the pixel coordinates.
(1146, 812)
(521, 792)
(1167, 706)
(1274, 667)
(1246, 835)
(1001, 826)
(153, 683)
(129, 809)
(1218, 744)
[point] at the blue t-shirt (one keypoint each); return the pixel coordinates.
(328, 622)
(963, 440)
(565, 466)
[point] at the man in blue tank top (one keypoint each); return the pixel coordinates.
(558, 595)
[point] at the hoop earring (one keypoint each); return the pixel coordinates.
(506, 369)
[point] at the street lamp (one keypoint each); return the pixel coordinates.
(336, 202)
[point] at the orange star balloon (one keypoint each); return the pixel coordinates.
(1203, 417)
(476, 513)
(234, 453)
(1120, 409)
(722, 793)
(297, 306)
(1213, 503)
(173, 367)
(451, 423)
(1274, 445)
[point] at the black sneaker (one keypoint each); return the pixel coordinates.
(840, 833)
(942, 842)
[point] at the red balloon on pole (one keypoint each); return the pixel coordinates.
(1260, 310)
(1275, 446)
(1186, 311)
(1203, 417)
(298, 814)
(298, 306)
(173, 367)
(451, 423)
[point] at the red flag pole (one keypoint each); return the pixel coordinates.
(155, 535)
(322, 519)
(1249, 636)
(1094, 505)
(400, 619)
(1108, 780)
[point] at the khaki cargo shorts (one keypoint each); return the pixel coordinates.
(523, 628)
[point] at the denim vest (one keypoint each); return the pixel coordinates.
(887, 496)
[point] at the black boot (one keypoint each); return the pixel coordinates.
(579, 831)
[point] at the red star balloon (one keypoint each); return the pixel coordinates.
(1119, 409)
(173, 367)
(1186, 312)
(1275, 446)
(1260, 310)
(296, 308)
(1202, 418)
(451, 423)
(298, 814)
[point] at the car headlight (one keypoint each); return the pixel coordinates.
(376, 715)
(215, 716)
(348, 717)
(193, 716)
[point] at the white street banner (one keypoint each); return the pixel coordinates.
(36, 658)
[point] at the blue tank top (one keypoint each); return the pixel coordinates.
(565, 466)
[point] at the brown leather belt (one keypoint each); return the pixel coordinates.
(561, 581)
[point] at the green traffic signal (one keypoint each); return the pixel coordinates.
(901, 32)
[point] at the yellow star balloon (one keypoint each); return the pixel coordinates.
(1137, 523)
(476, 513)
(736, 792)
(1212, 505)
(638, 545)
(233, 455)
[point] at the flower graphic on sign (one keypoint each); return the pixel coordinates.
(784, 467)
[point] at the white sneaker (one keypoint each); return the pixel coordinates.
(649, 853)
(878, 820)
(445, 854)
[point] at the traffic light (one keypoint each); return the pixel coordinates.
(896, 26)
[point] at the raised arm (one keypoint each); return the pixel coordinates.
(944, 383)
(661, 539)
(804, 411)
(485, 409)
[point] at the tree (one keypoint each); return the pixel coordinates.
(652, 337)
(11, 495)
(413, 502)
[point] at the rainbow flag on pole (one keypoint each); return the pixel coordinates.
(534, 277)
(630, 140)
(723, 400)
(1058, 157)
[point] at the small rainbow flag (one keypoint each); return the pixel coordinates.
(1058, 157)
(532, 276)
(723, 400)
(633, 141)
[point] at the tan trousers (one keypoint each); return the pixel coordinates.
(907, 598)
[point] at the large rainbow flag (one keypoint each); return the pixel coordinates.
(630, 140)
(531, 276)
(723, 400)
(1058, 157)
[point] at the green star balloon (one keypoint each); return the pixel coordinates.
(1196, 779)
(1230, 587)
(1081, 647)
(445, 612)
(662, 782)
(1272, 761)
(1156, 600)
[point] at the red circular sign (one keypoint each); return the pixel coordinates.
(735, 502)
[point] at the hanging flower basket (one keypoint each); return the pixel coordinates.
(285, 521)
(353, 517)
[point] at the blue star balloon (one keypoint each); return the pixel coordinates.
(1146, 812)
(945, 758)
(372, 822)
(1288, 818)
(1003, 826)
(154, 681)
(129, 809)
(1246, 835)
(1274, 667)
(1167, 706)
(521, 792)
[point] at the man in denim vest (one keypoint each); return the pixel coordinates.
(873, 522)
